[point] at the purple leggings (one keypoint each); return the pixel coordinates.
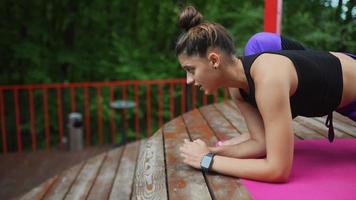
(349, 110)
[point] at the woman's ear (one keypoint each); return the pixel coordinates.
(214, 59)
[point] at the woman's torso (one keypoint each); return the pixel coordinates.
(313, 79)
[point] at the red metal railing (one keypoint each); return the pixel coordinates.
(34, 116)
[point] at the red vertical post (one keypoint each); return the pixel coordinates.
(216, 97)
(137, 112)
(46, 118)
(226, 94)
(194, 96)
(18, 121)
(160, 105)
(205, 98)
(148, 93)
(100, 123)
(32, 119)
(183, 99)
(60, 117)
(124, 112)
(273, 16)
(87, 115)
(112, 116)
(72, 99)
(171, 100)
(3, 124)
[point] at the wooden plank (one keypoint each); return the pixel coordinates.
(222, 187)
(319, 127)
(223, 128)
(40, 191)
(233, 115)
(340, 125)
(123, 184)
(85, 179)
(183, 181)
(64, 182)
(231, 186)
(104, 180)
(301, 130)
(150, 180)
(304, 132)
(344, 119)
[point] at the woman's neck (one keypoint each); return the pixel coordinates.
(234, 75)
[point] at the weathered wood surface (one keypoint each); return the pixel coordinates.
(150, 181)
(153, 168)
(122, 187)
(40, 191)
(183, 181)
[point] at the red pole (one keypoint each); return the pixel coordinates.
(72, 99)
(148, 93)
(124, 113)
(112, 116)
(3, 125)
(32, 119)
(205, 99)
(60, 117)
(272, 16)
(226, 94)
(87, 115)
(194, 97)
(160, 105)
(46, 118)
(183, 100)
(137, 112)
(171, 104)
(216, 97)
(18, 121)
(100, 123)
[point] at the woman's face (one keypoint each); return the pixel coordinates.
(201, 72)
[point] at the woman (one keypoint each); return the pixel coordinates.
(269, 89)
(258, 43)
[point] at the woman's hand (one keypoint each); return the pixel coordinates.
(193, 152)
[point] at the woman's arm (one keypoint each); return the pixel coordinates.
(255, 146)
(272, 97)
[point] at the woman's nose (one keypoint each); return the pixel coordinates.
(190, 79)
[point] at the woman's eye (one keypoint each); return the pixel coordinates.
(190, 70)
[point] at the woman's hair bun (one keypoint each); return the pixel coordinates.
(189, 18)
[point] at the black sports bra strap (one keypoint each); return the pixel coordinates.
(329, 124)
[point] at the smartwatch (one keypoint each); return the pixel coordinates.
(207, 161)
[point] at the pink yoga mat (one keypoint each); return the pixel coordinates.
(321, 170)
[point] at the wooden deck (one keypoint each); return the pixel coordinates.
(152, 168)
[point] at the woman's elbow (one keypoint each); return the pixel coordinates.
(279, 174)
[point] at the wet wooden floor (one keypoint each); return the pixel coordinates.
(152, 168)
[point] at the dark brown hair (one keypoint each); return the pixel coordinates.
(198, 36)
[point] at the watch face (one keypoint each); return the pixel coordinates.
(206, 161)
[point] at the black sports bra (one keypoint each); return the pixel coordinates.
(320, 83)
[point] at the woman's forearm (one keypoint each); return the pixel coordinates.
(256, 169)
(248, 149)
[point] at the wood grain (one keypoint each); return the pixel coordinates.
(64, 182)
(123, 185)
(86, 178)
(184, 182)
(221, 187)
(150, 180)
(38, 192)
(105, 178)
